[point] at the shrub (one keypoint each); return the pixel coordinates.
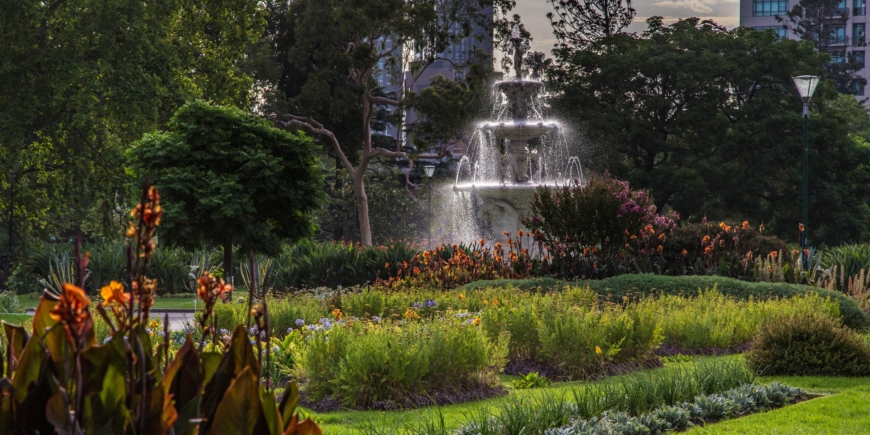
(807, 344)
(585, 227)
(615, 288)
(530, 380)
(9, 302)
(712, 319)
(364, 364)
(579, 342)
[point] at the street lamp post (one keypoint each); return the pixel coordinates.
(806, 85)
(430, 171)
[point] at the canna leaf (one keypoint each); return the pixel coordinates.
(42, 320)
(29, 367)
(239, 410)
(183, 382)
(305, 427)
(239, 357)
(16, 338)
(7, 406)
(288, 403)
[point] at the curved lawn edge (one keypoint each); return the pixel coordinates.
(847, 412)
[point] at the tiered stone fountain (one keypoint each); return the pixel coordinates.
(512, 156)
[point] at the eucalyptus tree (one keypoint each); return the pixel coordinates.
(336, 49)
(576, 23)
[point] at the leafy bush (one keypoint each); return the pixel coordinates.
(615, 288)
(530, 380)
(850, 259)
(712, 319)
(581, 341)
(9, 302)
(586, 227)
(808, 344)
(363, 363)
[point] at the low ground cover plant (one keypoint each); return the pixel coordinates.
(736, 402)
(633, 395)
(806, 344)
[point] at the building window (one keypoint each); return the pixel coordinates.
(858, 56)
(837, 56)
(841, 8)
(857, 88)
(859, 7)
(837, 35)
(781, 31)
(769, 8)
(858, 34)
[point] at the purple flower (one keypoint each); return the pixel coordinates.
(431, 303)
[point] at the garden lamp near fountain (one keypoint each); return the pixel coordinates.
(806, 85)
(430, 171)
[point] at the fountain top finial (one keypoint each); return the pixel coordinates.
(520, 47)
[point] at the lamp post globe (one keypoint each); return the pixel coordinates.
(805, 85)
(430, 171)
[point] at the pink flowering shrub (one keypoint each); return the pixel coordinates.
(600, 225)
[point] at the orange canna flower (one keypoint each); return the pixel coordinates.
(114, 294)
(772, 254)
(476, 321)
(461, 296)
(801, 227)
(685, 252)
(72, 311)
(745, 225)
(706, 239)
(337, 313)
(495, 302)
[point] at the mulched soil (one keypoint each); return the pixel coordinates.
(522, 368)
(673, 350)
(331, 404)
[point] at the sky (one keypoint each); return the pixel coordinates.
(723, 12)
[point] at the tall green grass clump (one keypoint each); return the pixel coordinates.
(712, 319)
(386, 364)
(633, 394)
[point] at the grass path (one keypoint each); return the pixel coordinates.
(846, 412)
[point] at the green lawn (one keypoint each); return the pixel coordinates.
(349, 422)
(846, 410)
(161, 303)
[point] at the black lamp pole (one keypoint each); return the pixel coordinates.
(430, 171)
(805, 85)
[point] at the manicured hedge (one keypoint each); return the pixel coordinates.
(644, 284)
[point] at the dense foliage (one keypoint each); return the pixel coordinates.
(587, 229)
(708, 120)
(84, 78)
(807, 344)
(230, 178)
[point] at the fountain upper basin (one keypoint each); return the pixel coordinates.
(520, 130)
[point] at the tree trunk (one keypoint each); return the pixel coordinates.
(362, 202)
(228, 261)
(338, 229)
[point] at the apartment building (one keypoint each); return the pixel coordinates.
(847, 38)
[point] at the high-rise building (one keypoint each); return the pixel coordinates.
(848, 37)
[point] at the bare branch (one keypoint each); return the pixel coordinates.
(317, 128)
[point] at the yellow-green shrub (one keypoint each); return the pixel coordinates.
(363, 363)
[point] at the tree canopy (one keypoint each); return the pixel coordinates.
(709, 121)
(81, 79)
(228, 177)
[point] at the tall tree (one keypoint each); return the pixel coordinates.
(81, 79)
(576, 23)
(823, 22)
(342, 44)
(708, 120)
(228, 177)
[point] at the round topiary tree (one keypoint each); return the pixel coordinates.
(230, 178)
